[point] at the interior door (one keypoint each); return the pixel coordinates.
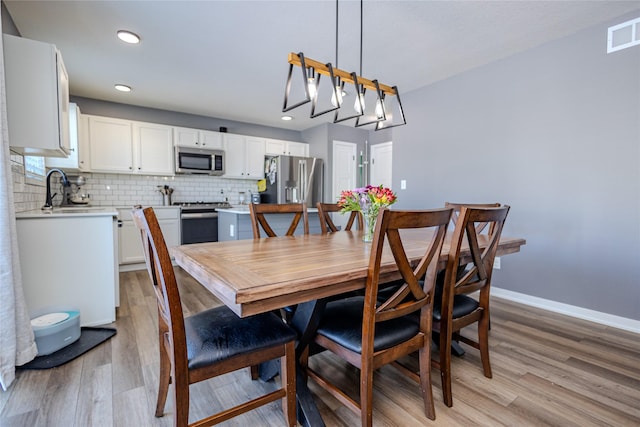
(381, 164)
(343, 175)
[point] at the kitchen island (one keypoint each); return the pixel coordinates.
(68, 259)
(235, 223)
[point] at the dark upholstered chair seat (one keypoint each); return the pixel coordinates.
(218, 334)
(462, 305)
(342, 323)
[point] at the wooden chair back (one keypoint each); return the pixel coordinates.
(417, 280)
(456, 211)
(258, 219)
(326, 223)
(480, 263)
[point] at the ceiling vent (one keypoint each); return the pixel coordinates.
(623, 35)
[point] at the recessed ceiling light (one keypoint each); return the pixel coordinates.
(123, 88)
(128, 37)
(286, 118)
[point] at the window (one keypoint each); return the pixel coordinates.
(34, 170)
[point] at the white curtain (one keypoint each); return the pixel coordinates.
(17, 344)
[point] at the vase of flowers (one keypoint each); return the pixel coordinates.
(367, 200)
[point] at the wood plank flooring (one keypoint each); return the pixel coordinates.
(548, 369)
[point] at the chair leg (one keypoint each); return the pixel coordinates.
(366, 396)
(483, 343)
(425, 380)
(255, 373)
(445, 367)
(164, 378)
(288, 379)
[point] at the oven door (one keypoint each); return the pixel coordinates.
(199, 227)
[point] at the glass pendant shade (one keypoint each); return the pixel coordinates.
(359, 104)
(336, 98)
(311, 83)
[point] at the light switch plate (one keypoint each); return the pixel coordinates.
(403, 184)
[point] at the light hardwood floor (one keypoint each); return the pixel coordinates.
(548, 369)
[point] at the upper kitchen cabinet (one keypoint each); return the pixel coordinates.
(278, 147)
(78, 159)
(124, 146)
(153, 149)
(196, 138)
(244, 156)
(110, 145)
(37, 87)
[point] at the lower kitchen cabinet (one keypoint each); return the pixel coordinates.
(68, 262)
(130, 245)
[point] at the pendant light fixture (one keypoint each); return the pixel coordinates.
(385, 109)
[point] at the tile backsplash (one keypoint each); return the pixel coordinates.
(129, 190)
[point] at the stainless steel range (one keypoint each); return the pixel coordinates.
(199, 221)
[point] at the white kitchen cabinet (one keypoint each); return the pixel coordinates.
(130, 246)
(37, 96)
(110, 144)
(78, 159)
(124, 146)
(153, 149)
(244, 156)
(68, 262)
(278, 147)
(197, 138)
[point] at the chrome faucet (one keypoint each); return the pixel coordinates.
(65, 183)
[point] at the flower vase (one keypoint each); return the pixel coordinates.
(369, 226)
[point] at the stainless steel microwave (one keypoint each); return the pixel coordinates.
(199, 160)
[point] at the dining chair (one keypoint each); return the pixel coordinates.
(368, 333)
(454, 308)
(326, 223)
(210, 343)
(259, 221)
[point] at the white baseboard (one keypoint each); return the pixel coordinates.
(570, 310)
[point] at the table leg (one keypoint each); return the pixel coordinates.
(305, 321)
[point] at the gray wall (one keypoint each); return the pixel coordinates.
(555, 133)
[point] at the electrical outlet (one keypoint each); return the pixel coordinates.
(403, 184)
(496, 263)
(231, 230)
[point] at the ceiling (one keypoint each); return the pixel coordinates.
(228, 59)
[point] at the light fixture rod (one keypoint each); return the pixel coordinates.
(337, 34)
(294, 59)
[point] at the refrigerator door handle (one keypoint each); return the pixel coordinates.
(302, 179)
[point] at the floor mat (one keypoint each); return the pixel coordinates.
(89, 338)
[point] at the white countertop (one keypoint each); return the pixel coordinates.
(244, 210)
(69, 211)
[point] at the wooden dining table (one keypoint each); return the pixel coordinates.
(261, 275)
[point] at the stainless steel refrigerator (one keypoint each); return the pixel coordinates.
(293, 179)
